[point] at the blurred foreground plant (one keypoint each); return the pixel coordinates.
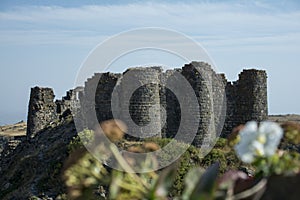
(258, 145)
(87, 178)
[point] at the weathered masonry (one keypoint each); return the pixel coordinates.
(153, 109)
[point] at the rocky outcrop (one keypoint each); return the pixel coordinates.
(34, 167)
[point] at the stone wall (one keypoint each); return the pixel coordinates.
(43, 110)
(171, 112)
(146, 104)
(246, 99)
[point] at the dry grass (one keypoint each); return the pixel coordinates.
(17, 129)
(285, 118)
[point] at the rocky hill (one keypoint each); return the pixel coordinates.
(33, 168)
(11, 136)
(18, 129)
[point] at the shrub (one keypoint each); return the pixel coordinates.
(83, 138)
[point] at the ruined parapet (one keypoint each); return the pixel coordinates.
(41, 110)
(70, 104)
(73, 100)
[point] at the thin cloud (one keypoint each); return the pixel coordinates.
(217, 24)
(147, 14)
(248, 27)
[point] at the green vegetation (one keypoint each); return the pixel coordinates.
(80, 140)
(191, 177)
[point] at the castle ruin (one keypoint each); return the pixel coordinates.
(226, 104)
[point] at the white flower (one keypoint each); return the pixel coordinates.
(259, 141)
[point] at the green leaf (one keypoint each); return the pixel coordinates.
(164, 183)
(205, 187)
(191, 180)
(114, 186)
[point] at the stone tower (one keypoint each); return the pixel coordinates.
(41, 110)
(246, 99)
(141, 98)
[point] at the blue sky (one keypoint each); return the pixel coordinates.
(44, 42)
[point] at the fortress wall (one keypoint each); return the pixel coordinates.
(71, 100)
(103, 96)
(42, 109)
(155, 107)
(170, 107)
(230, 119)
(220, 102)
(87, 100)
